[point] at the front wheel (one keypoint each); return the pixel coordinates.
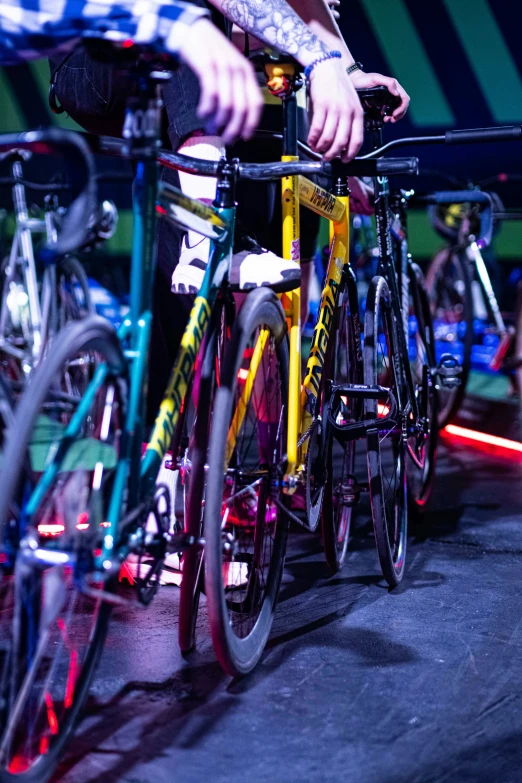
(52, 621)
(205, 386)
(385, 443)
(245, 528)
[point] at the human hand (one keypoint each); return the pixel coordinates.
(230, 99)
(362, 80)
(337, 127)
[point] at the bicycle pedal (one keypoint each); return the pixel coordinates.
(449, 371)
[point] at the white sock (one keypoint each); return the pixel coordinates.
(208, 148)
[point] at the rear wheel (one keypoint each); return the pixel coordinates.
(245, 529)
(448, 284)
(422, 443)
(385, 444)
(52, 621)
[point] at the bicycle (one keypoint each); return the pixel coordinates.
(34, 306)
(75, 459)
(339, 402)
(459, 282)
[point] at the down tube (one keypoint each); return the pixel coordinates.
(180, 377)
(339, 254)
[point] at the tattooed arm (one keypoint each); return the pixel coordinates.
(276, 24)
(337, 121)
(319, 19)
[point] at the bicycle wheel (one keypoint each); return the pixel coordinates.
(72, 300)
(386, 450)
(52, 620)
(341, 367)
(245, 529)
(422, 443)
(448, 284)
(207, 382)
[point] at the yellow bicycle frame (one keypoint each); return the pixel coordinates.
(302, 397)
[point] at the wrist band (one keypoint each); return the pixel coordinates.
(327, 56)
(355, 67)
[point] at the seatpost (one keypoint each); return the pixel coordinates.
(290, 125)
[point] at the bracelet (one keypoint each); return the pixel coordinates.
(327, 56)
(355, 67)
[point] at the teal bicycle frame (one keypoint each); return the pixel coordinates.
(135, 477)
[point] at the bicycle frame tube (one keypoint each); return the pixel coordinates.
(475, 256)
(183, 370)
(386, 268)
(292, 306)
(337, 262)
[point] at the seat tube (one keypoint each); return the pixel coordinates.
(292, 301)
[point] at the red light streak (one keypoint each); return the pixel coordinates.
(51, 714)
(483, 438)
(51, 529)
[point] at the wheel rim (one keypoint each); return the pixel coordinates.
(251, 522)
(390, 448)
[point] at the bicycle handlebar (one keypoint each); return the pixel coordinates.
(480, 135)
(465, 197)
(271, 171)
(83, 185)
(462, 136)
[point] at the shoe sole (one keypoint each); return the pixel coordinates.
(283, 287)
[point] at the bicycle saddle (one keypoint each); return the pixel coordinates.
(378, 101)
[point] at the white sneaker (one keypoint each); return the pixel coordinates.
(171, 573)
(252, 267)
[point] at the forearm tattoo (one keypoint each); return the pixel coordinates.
(275, 23)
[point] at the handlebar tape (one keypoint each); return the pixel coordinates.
(477, 135)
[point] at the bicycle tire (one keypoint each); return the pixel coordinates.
(448, 283)
(193, 559)
(517, 357)
(336, 514)
(423, 448)
(239, 654)
(93, 334)
(72, 268)
(386, 454)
